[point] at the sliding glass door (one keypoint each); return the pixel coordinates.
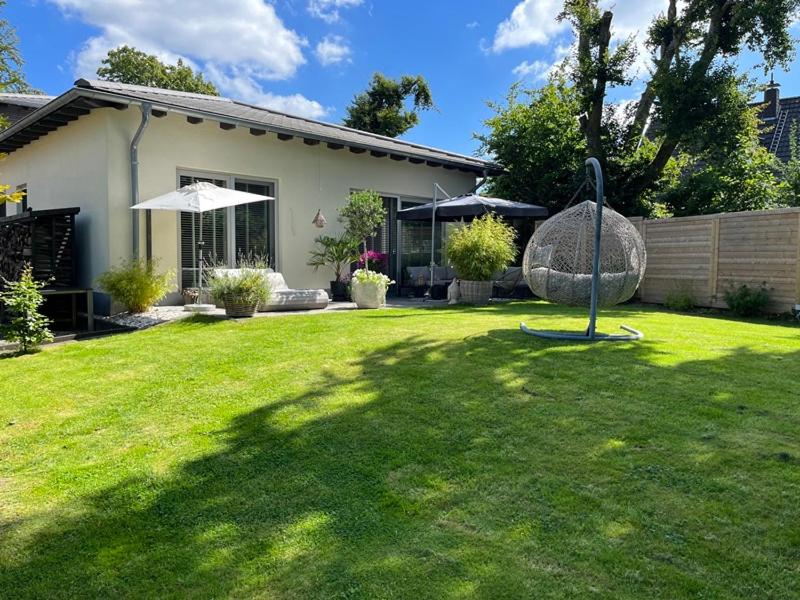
(229, 234)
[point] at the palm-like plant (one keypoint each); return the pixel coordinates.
(336, 252)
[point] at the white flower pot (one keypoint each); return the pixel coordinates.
(368, 294)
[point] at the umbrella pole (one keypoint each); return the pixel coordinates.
(200, 260)
(429, 293)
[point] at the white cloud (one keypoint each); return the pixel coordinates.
(531, 22)
(472, 24)
(332, 50)
(245, 33)
(538, 69)
(243, 87)
(237, 44)
(328, 10)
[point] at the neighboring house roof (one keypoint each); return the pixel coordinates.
(88, 95)
(777, 137)
(16, 106)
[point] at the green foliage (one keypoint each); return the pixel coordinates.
(21, 301)
(248, 286)
(536, 136)
(481, 248)
(681, 297)
(129, 65)
(12, 78)
(693, 93)
(745, 177)
(365, 276)
(791, 170)
(363, 214)
(746, 301)
(336, 252)
(135, 284)
(381, 108)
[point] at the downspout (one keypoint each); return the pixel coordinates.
(146, 108)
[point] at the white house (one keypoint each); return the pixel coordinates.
(103, 146)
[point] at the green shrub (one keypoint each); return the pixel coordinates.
(681, 298)
(21, 301)
(482, 248)
(136, 285)
(248, 286)
(747, 301)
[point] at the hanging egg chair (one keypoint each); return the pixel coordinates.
(587, 255)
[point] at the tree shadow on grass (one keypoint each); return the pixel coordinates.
(496, 466)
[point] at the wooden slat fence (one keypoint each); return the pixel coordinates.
(712, 253)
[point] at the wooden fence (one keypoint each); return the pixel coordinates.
(712, 253)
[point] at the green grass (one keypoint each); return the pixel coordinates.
(405, 454)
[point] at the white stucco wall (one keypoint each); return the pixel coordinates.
(307, 178)
(87, 164)
(67, 168)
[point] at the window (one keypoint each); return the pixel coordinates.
(254, 223)
(252, 234)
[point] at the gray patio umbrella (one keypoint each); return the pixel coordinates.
(468, 206)
(465, 206)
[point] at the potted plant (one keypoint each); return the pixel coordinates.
(369, 288)
(336, 253)
(240, 291)
(363, 214)
(477, 251)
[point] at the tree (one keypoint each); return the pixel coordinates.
(791, 171)
(381, 109)
(12, 79)
(129, 65)
(363, 214)
(689, 90)
(22, 299)
(536, 136)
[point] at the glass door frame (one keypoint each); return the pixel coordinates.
(230, 215)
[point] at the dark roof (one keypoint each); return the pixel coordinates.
(88, 95)
(16, 106)
(777, 137)
(28, 100)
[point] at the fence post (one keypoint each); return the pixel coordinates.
(714, 266)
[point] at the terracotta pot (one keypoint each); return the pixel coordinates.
(235, 307)
(368, 294)
(475, 292)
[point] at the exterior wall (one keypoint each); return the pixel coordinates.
(68, 168)
(307, 178)
(712, 253)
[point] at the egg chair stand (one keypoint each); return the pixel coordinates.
(591, 334)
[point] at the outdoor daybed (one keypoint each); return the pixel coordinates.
(282, 297)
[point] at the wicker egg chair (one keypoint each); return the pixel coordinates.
(587, 255)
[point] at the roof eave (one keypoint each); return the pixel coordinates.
(479, 167)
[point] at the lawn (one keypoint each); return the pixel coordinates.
(405, 454)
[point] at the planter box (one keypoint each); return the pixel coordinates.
(475, 292)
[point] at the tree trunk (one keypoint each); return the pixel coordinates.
(699, 69)
(593, 123)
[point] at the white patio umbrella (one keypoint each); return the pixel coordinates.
(198, 198)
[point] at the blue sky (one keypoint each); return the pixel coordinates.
(312, 56)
